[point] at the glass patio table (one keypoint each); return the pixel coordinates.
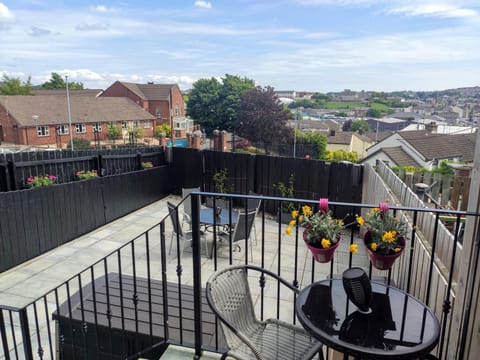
(398, 327)
(210, 217)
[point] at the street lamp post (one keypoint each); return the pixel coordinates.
(35, 120)
(69, 113)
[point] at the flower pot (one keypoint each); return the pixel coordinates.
(321, 255)
(381, 261)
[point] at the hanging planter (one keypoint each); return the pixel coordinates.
(382, 261)
(321, 255)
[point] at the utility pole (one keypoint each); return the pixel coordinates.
(69, 113)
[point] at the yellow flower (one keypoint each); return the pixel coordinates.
(300, 218)
(373, 246)
(360, 220)
(294, 214)
(354, 248)
(288, 231)
(307, 210)
(388, 236)
(374, 210)
(325, 243)
(292, 223)
(397, 249)
(340, 222)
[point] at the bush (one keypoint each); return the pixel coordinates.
(79, 144)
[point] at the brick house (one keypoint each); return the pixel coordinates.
(42, 120)
(163, 101)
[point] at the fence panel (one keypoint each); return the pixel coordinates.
(37, 220)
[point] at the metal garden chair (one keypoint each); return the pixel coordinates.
(228, 295)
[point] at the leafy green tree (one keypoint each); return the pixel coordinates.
(262, 118)
(163, 128)
(320, 96)
(214, 104)
(374, 113)
(114, 132)
(360, 126)
(14, 86)
(57, 82)
(340, 155)
(319, 141)
(347, 125)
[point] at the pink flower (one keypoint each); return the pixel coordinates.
(30, 179)
(323, 204)
(52, 177)
(383, 207)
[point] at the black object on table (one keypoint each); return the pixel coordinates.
(398, 327)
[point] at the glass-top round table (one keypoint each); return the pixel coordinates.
(398, 327)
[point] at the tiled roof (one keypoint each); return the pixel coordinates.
(344, 137)
(399, 156)
(82, 92)
(52, 110)
(441, 146)
(150, 91)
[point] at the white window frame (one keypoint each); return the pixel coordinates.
(124, 125)
(97, 127)
(177, 110)
(136, 124)
(158, 113)
(80, 128)
(147, 124)
(63, 129)
(43, 130)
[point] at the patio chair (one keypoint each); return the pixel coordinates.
(177, 231)
(241, 231)
(228, 295)
(187, 204)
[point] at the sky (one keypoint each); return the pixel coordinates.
(302, 45)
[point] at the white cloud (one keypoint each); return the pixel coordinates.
(103, 9)
(203, 4)
(6, 16)
(36, 31)
(434, 9)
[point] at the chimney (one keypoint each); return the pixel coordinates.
(432, 127)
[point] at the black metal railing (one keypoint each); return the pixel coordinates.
(143, 296)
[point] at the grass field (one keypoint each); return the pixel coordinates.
(355, 104)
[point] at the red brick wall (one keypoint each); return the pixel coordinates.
(118, 90)
(153, 105)
(177, 99)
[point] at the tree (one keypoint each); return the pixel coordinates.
(80, 144)
(57, 82)
(262, 118)
(13, 86)
(214, 104)
(347, 125)
(318, 141)
(374, 113)
(163, 128)
(360, 125)
(114, 132)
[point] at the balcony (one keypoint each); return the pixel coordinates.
(118, 306)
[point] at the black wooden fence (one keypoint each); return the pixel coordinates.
(37, 220)
(313, 179)
(16, 168)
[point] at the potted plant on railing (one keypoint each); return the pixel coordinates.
(41, 180)
(385, 236)
(322, 232)
(286, 191)
(86, 174)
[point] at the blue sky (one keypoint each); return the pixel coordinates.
(312, 45)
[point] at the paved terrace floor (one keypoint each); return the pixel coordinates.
(29, 281)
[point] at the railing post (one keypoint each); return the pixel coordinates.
(3, 333)
(27, 344)
(197, 276)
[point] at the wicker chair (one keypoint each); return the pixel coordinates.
(228, 295)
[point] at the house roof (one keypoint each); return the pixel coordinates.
(441, 146)
(72, 92)
(343, 137)
(399, 156)
(52, 110)
(150, 91)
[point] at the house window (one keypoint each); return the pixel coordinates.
(80, 128)
(43, 131)
(97, 127)
(62, 130)
(136, 124)
(158, 113)
(176, 110)
(147, 124)
(124, 125)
